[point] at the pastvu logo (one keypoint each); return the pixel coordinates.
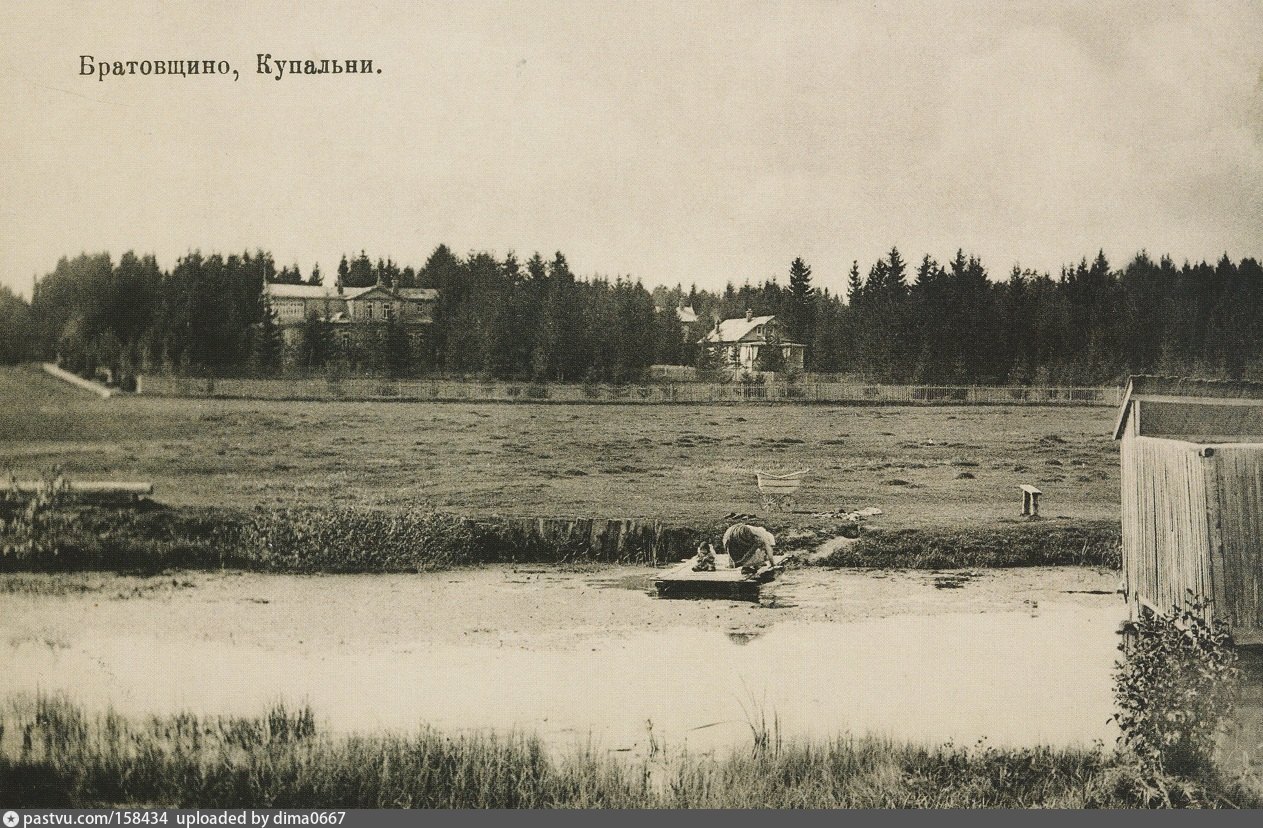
(10, 819)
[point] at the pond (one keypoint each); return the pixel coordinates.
(1016, 658)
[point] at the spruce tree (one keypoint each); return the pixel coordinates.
(267, 343)
(802, 321)
(316, 341)
(854, 285)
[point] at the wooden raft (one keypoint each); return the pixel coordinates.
(724, 583)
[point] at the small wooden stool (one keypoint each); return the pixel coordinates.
(1030, 500)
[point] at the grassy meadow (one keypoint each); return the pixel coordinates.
(938, 468)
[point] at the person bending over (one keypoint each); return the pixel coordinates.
(750, 547)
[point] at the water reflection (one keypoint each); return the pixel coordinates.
(1008, 677)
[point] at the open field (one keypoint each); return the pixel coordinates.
(939, 467)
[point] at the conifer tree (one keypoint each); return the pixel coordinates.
(267, 343)
(801, 324)
(344, 272)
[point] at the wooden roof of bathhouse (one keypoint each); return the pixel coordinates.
(1186, 391)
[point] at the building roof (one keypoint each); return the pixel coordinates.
(1186, 391)
(686, 314)
(284, 291)
(735, 330)
(287, 291)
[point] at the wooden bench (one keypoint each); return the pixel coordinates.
(105, 489)
(1030, 500)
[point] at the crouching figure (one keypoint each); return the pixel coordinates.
(750, 547)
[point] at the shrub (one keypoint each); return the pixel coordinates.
(80, 537)
(1175, 689)
(31, 525)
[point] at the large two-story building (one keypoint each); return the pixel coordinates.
(357, 315)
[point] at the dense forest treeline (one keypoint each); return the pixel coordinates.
(923, 322)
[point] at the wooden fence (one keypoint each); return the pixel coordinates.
(361, 388)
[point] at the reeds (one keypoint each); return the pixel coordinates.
(156, 538)
(53, 754)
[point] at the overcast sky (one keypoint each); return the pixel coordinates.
(673, 142)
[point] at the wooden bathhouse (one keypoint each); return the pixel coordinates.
(1192, 498)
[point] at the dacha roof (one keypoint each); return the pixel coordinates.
(736, 330)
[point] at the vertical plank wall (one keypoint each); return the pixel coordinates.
(1238, 502)
(1166, 534)
(1194, 524)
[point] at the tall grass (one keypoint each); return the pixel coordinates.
(1039, 543)
(152, 538)
(53, 754)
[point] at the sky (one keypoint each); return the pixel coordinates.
(672, 142)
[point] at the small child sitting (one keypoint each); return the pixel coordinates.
(705, 558)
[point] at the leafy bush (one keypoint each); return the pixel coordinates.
(30, 525)
(1175, 689)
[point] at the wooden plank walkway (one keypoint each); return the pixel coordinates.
(725, 582)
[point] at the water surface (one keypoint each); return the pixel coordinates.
(1034, 676)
